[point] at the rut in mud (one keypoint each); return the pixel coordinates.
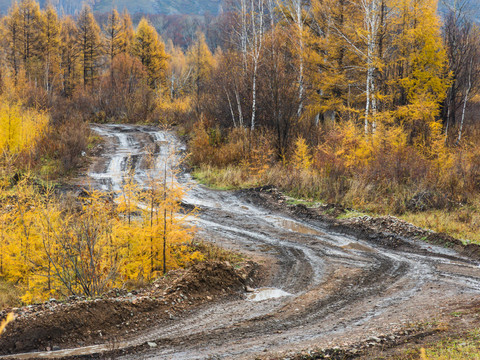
(321, 288)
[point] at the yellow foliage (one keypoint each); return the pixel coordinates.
(302, 159)
(350, 146)
(173, 109)
(54, 249)
(150, 49)
(20, 129)
(10, 317)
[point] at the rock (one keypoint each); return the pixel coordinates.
(249, 289)
(376, 339)
(152, 344)
(56, 348)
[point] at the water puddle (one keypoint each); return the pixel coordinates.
(358, 247)
(266, 293)
(299, 228)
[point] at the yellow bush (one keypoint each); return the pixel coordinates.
(20, 129)
(54, 249)
(302, 160)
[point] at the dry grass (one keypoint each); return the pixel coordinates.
(461, 223)
(212, 252)
(231, 177)
(9, 295)
(465, 348)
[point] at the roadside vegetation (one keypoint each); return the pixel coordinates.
(57, 75)
(465, 348)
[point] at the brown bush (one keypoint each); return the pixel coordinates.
(72, 142)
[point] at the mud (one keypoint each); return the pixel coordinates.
(348, 280)
(120, 313)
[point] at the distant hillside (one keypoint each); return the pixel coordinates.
(172, 7)
(169, 7)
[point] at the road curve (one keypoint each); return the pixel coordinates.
(327, 289)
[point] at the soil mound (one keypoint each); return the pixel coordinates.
(80, 322)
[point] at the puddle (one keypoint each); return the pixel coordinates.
(358, 247)
(298, 227)
(266, 293)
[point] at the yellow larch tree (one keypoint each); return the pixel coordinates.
(127, 34)
(423, 58)
(201, 63)
(89, 44)
(51, 47)
(70, 55)
(150, 49)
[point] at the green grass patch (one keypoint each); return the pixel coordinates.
(308, 203)
(94, 140)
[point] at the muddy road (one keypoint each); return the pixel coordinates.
(320, 288)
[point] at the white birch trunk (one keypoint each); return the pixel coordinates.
(231, 108)
(467, 93)
(239, 105)
(371, 22)
(301, 86)
(257, 15)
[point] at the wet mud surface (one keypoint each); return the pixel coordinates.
(335, 283)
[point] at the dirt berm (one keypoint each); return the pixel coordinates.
(78, 321)
(388, 231)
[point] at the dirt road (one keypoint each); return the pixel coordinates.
(321, 288)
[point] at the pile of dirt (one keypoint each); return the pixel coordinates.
(388, 224)
(225, 279)
(80, 322)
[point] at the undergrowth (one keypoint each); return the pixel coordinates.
(435, 187)
(465, 348)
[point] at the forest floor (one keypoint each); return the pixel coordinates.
(313, 286)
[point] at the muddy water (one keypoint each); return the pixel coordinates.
(263, 294)
(323, 286)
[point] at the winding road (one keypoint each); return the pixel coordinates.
(322, 289)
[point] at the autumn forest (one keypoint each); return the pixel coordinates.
(368, 104)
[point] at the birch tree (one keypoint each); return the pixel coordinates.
(257, 13)
(51, 45)
(295, 11)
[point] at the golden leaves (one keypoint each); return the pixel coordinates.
(10, 317)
